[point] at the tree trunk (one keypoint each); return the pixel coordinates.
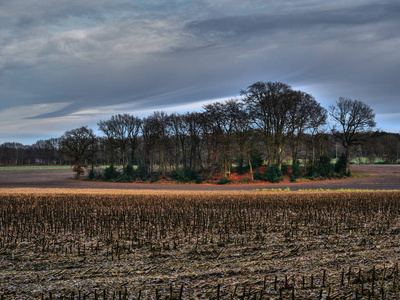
(279, 157)
(305, 159)
(123, 160)
(251, 169)
(348, 160)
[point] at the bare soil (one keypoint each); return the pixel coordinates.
(316, 247)
(366, 177)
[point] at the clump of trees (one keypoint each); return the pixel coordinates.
(270, 124)
(282, 116)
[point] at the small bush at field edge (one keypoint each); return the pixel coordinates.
(155, 177)
(245, 180)
(224, 181)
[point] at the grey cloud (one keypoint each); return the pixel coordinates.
(154, 54)
(351, 50)
(271, 22)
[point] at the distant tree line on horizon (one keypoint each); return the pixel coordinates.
(270, 124)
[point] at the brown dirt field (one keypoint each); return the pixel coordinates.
(70, 248)
(372, 177)
(49, 261)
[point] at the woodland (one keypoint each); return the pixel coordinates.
(270, 124)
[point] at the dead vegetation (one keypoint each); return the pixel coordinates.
(308, 245)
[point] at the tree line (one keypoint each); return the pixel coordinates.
(269, 124)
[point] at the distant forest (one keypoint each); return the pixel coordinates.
(269, 124)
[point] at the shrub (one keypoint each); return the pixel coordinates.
(312, 172)
(129, 171)
(241, 167)
(95, 174)
(340, 166)
(190, 174)
(110, 173)
(325, 168)
(199, 180)
(184, 174)
(284, 169)
(79, 170)
(258, 175)
(256, 158)
(141, 172)
(155, 177)
(297, 171)
(91, 175)
(245, 180)
(224, 181)
(177, 174)
(292, 178)
(273, 174)
(124, 178)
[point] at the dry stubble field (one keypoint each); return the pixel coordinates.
(88, 243)
(226, 245)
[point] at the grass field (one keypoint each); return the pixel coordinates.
(226, 245)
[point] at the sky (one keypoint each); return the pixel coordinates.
(70, 63)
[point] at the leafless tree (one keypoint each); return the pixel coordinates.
(353, 123)
(270, 105)
(78, 144)
(308, 116)
(122, 131)
(12, 153)
(243, 135)
(193, 122)
(133, 125)
(316, 130)
(178, 128)
(221, 119)
(156, 141)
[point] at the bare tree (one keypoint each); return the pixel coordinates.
(270, 105)
(256, 100)
(109, 142)
(306, 114)
(383, 145)
(78, 145)
(316, 130)
(155, 141)
(221, 119)
(12, 153)
(122, 131)
(243, 136)
(193, 122)
(133, 125)
(178, 129)
(47, 150)
(354, 121)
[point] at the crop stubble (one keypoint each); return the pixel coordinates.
(212, 243)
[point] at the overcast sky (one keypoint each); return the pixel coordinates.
(68, 63)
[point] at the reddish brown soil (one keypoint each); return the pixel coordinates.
(371, 177)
